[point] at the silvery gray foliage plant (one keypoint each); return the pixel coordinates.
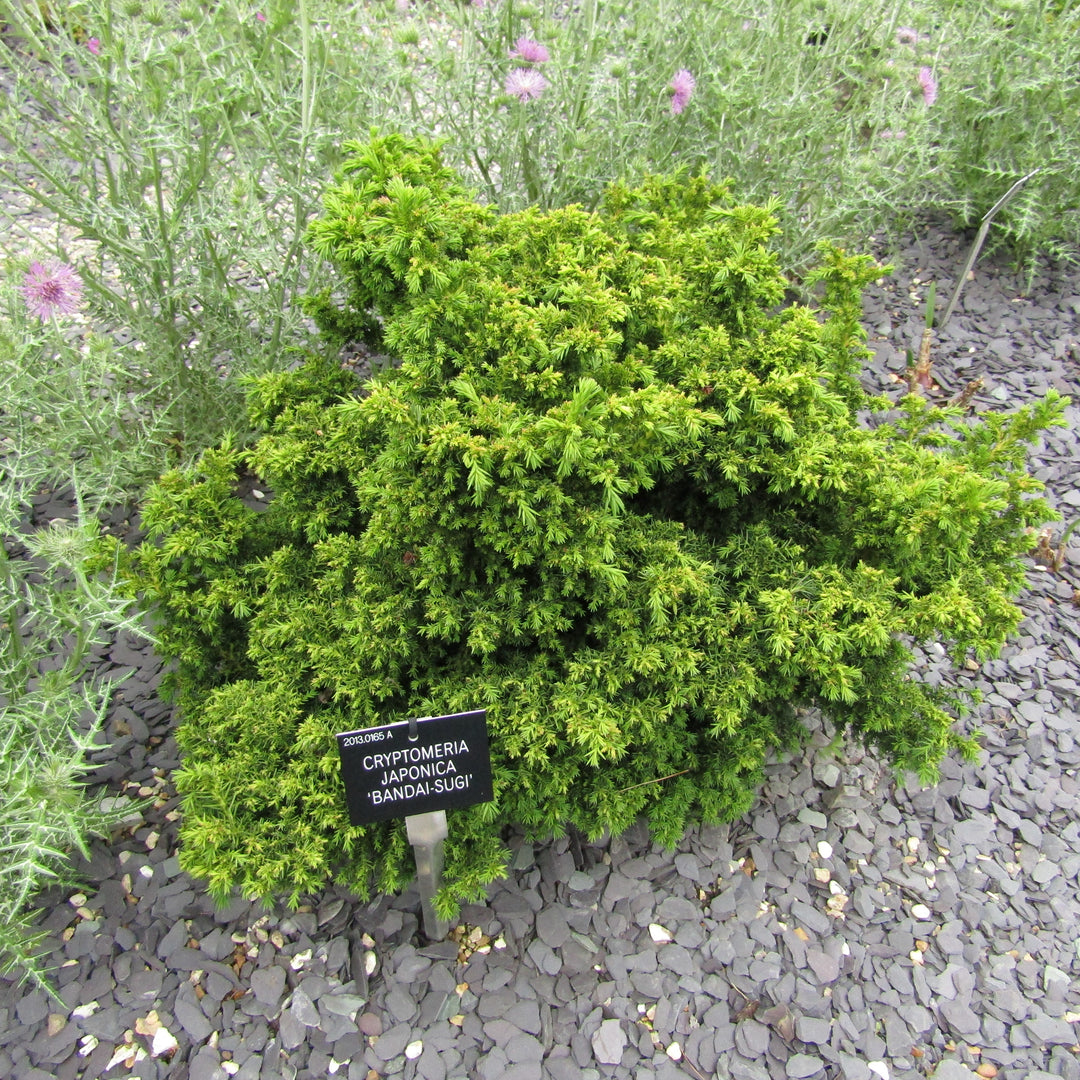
(173, 154)
(75, 406)
(70, 418)
(53, 612)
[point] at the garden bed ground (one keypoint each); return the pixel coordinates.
(848, 926)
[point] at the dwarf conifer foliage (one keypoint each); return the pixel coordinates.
(609, 489)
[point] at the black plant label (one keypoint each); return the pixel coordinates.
(416, 766)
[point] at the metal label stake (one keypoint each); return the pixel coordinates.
(426, 833)
(418, 769)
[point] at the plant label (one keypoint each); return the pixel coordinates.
(416, 766)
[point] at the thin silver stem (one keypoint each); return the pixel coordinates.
(984, 228)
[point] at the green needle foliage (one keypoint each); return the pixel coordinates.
(609, 490)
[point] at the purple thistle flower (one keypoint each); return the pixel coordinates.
(260, 16)
(532, 52)
(907, 35)
(94, 45)
(52, 289)
(525, 84)
(681, 87)
(928, 84)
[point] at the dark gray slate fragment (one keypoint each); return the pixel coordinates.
(766, 825)
(800, 1066)
(1044, 872)
(216, 986)
(430, 1065)
(974, 831)
(291, 1032)
(524, 1048)
(501, 1031)
(206, 1065)
(525, 1015)
(142, 986)
(854, 1068)
(399, 1003)
(1009, 1000)
(176, 938)
(951, 1069)
(813, 1030)
(691, 935)
(1047, 1030)
(336, 1028)
(217, 944)
(960, 1018)
(525, 1071)
(268, 984)
(32, 1009)
(810, 918)
(741, 1069)
(303, 1008)
(411, 966)
(393, 1042)
(493, 1065)
(342, 1004)
(844, 797)
(897, 1035)
(618, 888)
(563, 1067)
(723, 1036)
(192, 1019)
(975, 797)
(751, 1038)
(675, 909)
(825, 967)
(650, 985)
(544, 958)
(676, 958)
(1030, 833)
(495, 1004)
(108, 1024)
(552, 927)
(609, 1042)
(1064, 1062)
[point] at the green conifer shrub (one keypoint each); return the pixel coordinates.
(609, 489)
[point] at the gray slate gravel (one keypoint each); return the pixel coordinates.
(849, 926)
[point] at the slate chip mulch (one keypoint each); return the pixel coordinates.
(850, 927)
